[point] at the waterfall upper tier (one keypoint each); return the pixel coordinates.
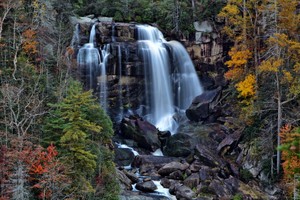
(136, 71)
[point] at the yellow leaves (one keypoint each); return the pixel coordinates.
(229, 9)
(296, 67)
(238, 57)
(289, 20)
(271, 65)
(287, 76)
(246, 88)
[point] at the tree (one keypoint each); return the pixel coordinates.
(80, 128)
(282, 60)
(290, 148)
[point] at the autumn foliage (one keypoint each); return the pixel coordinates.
(290, 147)
(30, 44)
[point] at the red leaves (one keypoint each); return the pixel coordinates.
(43, 160)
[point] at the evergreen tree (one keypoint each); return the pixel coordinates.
(80, 128)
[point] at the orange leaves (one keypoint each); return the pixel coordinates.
(29, 43)
(290, 147)
(246, 88)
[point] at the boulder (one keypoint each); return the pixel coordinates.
(123, 156)
(144, 133)
(130, 195)
(229, 143)
(205, 173)
(176, 175)
(172, 167)
(131, 176)
(182, 143)
(150, 160)
(220, 189)
(179, 145)
(125, 182)
(204, 106)
(147, 186)
(192, 181)
(184, 192)
(209, 157)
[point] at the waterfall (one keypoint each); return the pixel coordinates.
(185, 78)
(170, 80)
(92, 34)
(105, 52)
(113, 30)
(88, 60)
(121, 109)
(157, 73)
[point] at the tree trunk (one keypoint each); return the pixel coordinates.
(279, 121)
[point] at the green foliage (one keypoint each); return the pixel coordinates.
(238, 197)
(79, 126)
(165, 13)
(245, 175)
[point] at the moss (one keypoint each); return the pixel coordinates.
(246, 176)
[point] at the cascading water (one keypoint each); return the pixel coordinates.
(121, 109)
(88, 60)
(157, 73)
(103, 77)
(92, 34)
(171, 82)
(185, 78)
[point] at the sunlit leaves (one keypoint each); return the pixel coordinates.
(271, 65)
(238, 57)
(246, 88)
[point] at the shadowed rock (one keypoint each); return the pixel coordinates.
(203, 106)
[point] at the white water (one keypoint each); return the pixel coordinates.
(158, 84)
(105, 52)
(163, 191)
(166, 91)
(185, 80)
(158, 152)
(92, 34)
(88, 58)
(121, 109)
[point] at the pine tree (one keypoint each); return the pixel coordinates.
(82, 132)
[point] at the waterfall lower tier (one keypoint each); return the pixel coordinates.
(146, 75)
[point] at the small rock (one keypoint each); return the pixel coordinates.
(176, 175)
